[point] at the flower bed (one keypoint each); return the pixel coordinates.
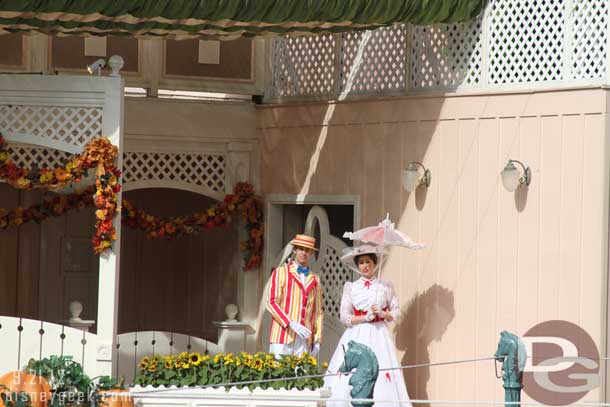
(194, 369)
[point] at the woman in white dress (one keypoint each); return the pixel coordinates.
(367, 306)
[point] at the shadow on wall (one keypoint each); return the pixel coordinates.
(425, 320)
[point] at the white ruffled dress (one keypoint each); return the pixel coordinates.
(357, 298)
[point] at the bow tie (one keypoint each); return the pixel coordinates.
(367, 283)
(303, 270)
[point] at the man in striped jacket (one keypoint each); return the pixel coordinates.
(294, 299)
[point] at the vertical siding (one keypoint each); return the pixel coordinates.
(495, 260)
(180, 285)
(19, 258)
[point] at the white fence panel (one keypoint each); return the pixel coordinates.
(133, 346)
(24, 339)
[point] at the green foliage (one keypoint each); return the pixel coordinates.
(193, 369)
(69, 383)
(20, 399)
(14, 399)
(70, 386)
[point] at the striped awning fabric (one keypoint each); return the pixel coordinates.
(224, 18)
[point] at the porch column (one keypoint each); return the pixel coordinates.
(240, 168)
(108, 288)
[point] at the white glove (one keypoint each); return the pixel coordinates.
(375, 310)
(370, 315)
(300, 330)
(315, 350)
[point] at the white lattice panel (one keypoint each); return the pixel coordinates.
(446, 55)
(589, 44)
(526, 41)
(374, 60)
(304, 65)
(28, 156)
(207, 170)
(59, 125)
(333, 276)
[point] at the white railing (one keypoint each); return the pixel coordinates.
(529, 42)
(133, 346)
(23, 339)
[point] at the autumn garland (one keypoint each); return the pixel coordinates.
(56, 206)
(242, 199)
(100, 154)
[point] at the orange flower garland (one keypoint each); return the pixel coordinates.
(56, 206)
(242, 199)
(100, 154)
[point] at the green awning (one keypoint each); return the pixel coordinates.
(224, 18)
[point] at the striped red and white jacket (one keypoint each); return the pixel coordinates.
(288, 299)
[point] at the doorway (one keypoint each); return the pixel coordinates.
(325, 218)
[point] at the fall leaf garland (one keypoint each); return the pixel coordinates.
(56, 206)
(100, 154)
(243, 200)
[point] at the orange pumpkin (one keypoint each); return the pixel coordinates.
(35, 386)
(114, 398)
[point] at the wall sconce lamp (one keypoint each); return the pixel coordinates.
(96, 67)
(512, 179)
(411, 178)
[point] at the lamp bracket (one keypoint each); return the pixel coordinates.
(426, 179)
(526, 178)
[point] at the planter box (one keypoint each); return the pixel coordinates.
(193, 397)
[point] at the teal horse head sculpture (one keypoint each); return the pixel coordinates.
(363, 359)
(511, 352)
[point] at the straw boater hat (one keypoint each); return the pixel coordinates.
(305, 241)
(350, 253)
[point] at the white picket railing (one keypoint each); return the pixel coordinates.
(133, 346)
(23, 339)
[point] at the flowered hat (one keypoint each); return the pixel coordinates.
(305, 241)
(349, 253)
